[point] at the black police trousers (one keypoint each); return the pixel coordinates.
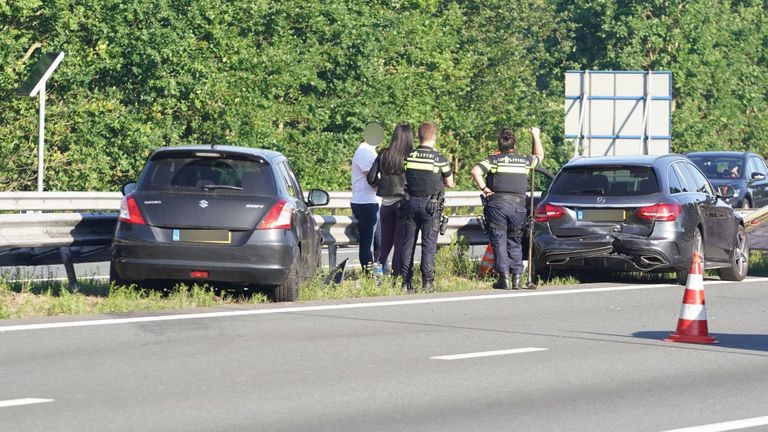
(415, 219)
(505, 220)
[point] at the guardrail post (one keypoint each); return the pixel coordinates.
(66, 259)
(332, 256)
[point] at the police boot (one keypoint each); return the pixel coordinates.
(516, 282)
(408, 287)
(502, 282)
(428, 286)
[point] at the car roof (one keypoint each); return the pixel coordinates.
(644, 160)
(720, 153)
(252, 151)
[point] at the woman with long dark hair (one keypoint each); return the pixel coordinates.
(388, 175)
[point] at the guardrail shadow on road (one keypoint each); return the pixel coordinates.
(751, 342)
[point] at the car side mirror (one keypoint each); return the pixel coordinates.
(757, 176)
(129, 188)
(317, 197)
(726, 192)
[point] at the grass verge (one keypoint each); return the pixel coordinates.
(454, 271)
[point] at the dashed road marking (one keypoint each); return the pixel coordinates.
(487, 354)
(25, 401)
(726, 426)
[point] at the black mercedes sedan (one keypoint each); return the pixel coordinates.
(745, 172)
(637, 213)
(218, 214)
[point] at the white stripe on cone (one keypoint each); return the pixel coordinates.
(693, 312)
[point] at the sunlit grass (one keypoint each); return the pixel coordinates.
(455, 271)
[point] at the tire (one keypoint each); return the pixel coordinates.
(698, 246)
(739, 259)
(288, 291)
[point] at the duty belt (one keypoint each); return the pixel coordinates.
(510, 198)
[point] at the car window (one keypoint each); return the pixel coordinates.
(606, 180)
(699, 181)
(287, 181)
(759, 166)
(719, 167)
(187, 173)
(293, 178)
(689, 184)
(675, 183)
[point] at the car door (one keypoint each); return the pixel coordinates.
(305, 223)
(757, 179)
(715, 215)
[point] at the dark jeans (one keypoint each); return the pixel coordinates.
(391, 236)
(415, 219)
(504, 220)
(367, 215)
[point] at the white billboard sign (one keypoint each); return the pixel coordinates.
(612, 113)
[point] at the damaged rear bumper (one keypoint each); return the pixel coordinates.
(617, 252)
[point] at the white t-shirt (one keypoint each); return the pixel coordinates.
(362, 192)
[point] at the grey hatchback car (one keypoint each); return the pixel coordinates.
(218, 214)
(637, 213)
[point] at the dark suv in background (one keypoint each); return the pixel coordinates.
(218, 214)
(745, 172)
(637, 213)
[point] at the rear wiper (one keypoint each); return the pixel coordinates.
(596, 191)
(228, 187)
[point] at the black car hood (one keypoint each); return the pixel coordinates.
(208, 211)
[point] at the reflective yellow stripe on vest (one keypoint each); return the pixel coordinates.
(420, 166)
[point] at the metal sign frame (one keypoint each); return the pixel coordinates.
(618, 112)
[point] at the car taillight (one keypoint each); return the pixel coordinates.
(129, 211)
(547, 212)
(660, 212)
(280, 216)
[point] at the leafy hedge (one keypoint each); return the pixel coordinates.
(303, 76)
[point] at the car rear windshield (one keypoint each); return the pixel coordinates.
(190, 173)
(719, 167)
(608, 181)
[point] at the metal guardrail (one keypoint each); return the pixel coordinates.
(110, 201)
(67, 238)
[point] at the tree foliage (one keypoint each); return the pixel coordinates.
(303, 77)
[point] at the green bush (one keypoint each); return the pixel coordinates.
(303, 77)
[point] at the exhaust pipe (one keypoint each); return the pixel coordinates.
(651, 260)
(557, 261)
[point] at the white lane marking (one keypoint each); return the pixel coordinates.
(24, 401)
(374, 304)
(726, 426)
(487, 354)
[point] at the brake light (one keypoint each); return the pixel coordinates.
(660, 212)
(547, 212)
(129, 211)
(280, 216)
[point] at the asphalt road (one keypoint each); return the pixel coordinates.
(587, 358)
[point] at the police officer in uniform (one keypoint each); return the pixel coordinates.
(503, 178)
(427, 172)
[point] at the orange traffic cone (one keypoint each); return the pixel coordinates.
(486, 265)
(692, 325)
